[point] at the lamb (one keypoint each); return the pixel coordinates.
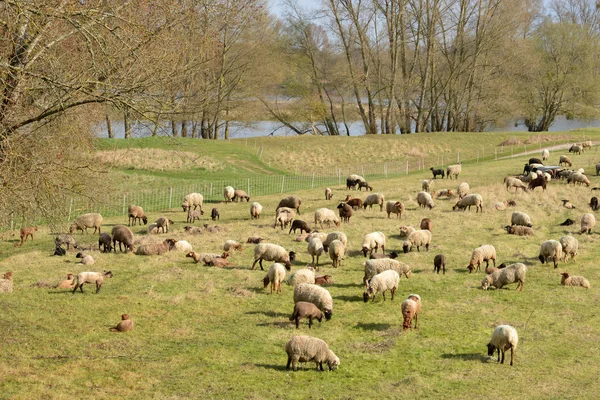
(374, 267)
(271, 252)
(206, 258)
(501, 205)
(539, 181)
(315, 294)
(85, 221)
(155, 248)
(153, 230)
(284, 216)
(214, 214)
(426, 185)
(586, 144)
(240, 195)
(328, 194)
(437, 172)
(588, 221)
(86, 259)
(594, 203)
(218, 262)
(183, 246)
(510, 181)
(6, 283)
(453, 171)
(365, 185)
(372, 241)
(520, 218)
(125, 325)
(323, 280)
(105, 241)
(91, 277)
(255, 210)
(405, 231)
(386, 280)
(483, 253)
(551, 249)
(568, 222)
(345, 212)
(163, 223)
(468, 201)
(565, 160)
(67, 283)
(232, 245)
(136, 213)
(192, 216)
(445, 193)
(576, 149)
(293, 202)
(570, 245)
(325, 215)
(315, 249)
(511, 274)
(123, 235)
(394, 207)
(426, 224)
(65, 239)
(190, 230)
(578, 178)
(192, 200)
(424, 199)
(335, 235)
(568, 280)
(304, 275)
(228, 194)
(356, 204)
(519, 230)
(568, 205)
(375, 198)
(417, 238)
(275, 276)
(439, 262)
(353, 180)
(503, 338)
(463, 190)
(255, 239)
(299, 224)
(306, 348)
(337, 250)
(411, 307)
(545, 154)
(303, 309)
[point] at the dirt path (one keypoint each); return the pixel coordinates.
(538, 151)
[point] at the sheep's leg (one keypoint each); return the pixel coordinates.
(393, 292)
(320, 366)
(254, 263)
(297, 323)
(98, 287)
(75, 288)
(81, 287)
(498, 354)
(427, 247)
(416, 320)
(511, 355)
(260, 263)
(502, 362)
(383, 294)
(287, 367)
(309, 322)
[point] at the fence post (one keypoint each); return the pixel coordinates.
(70, 210)
(282, 182)
(339, 176)
(458, 157)
(211, 190)
(313, 182)
(496, 154)
(12, 221)
(248, 186)
(170, 197)
(385, 170)
(363, 171)
(406, 167)
(124, 200)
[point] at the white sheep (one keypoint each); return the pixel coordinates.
(315, 234)
(418, 238)
(468, 201)
(578, 177)
(502, 277)
(551, 249)
(328, 194)
(570, 245)
(231, 245)
(91, 277)
(85, 221)
(503, 338)
(545, 154)
(271, 252)
(228, 194)
(411, 307)
(275, 276)
(426, 185)
(483, 253)
(568, 280)
(192, 200)
(463, 190)
(376, 266)
(405, 231)
(372, 242)
(255, 210)
(394, 207)
(335, 235)
(325, 215)
(588, 221)
(520, 218)
(453, 171)
(306, 349)
(304, 275)
(565, 160)
(375, 198)
(86, 259)
(424, 200)
(386, 280)
(511, 181)
(284, 216)
(315, 294)
(337, 251)
(315, 249)
(6, 283)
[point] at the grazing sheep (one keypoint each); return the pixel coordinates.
(6, 283)
(105, 241)
(306, 349)
(424, 199)
(386, 280)
(376, 266)
(568, 205)
(255, 210)
(574, 280)
(426, 185)
(426, 224)
(271, 252)
(551, 249)
(163, 223)
(468, 201)
(255, 239)
(502, 277)
(565, 160)
(356, 204)
(594, 203)
(304, 309)
(394, 207)
(510, 181)
(325, 215)
(405, 231)
(519, 230)
(578, 177)
(365, 185)
(299, 224)
(545, 154)
(85, 221)
(67, 283)
(65, 239)
(275, 276)
(445, 193)
(155, 248)
(86, 259)
(534, 160)
(122, 234)
(372, 242)
(375, 198)
(576, 149)
(320, 235)
(520, 218)
(539, 181)
(315, 294)
(91, 277)
(228, 194)
(304, 275)
(393, 254)
(315, 249)
(453, 171)
(232, 245)
(136, 213)
(503, 338)
(240, 195)
(125, 325)
(192, 216)
(335, 235)
(293, 202)
(328, 194)
(437, 172)
(337, 250)
(353, 180)
(417, 238)
(214, 214)
(284, 216)
(483, 253)
(345, 212)
(411, 307)
(570, 245)
(463, 190)
(588, 221)
(192, 200)
(439, 262)
(586, 144)
(206, 258)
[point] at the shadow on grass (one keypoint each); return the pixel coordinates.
(271, 314)
(466, 357)
(276, 324)
(373, 327)
(461, 270)
(350, 298)
(355, 253)
(270, 366)
(345, 285)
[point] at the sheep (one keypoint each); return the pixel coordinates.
(240, 195)
(91, 277)
(501, 205)
(337, 250)
(374, 267)
(315, 249)
(468, 201)
(586, 144)
(335, 235)
(439, 262)
(588, 221)
(437, 172)
(426, 185)
(67, 283)
(163, 223)
(183, 246)
(218, 262)
(275, 276)
(598, 169)
(568, 222)
(534, 160)
(519, 230)
(206, 258)
(578, 178)
(85, 221)
(6, 283)
(453, 171)
(528, 178)
(293, 202)
(570, 245)
(594, 203)
(192, 200)
(356, 204)
(445, 193)
(228, 194)
(86, 259)
(320, 235)
(576, 149)
(155, 248)
(424, 199)
(152, 229)
(271, 252)
(550, 249)
(426, 224)
(125, 325)
(463, 190)
(405, 231)
(325, 215)
(386, 280)
(122, 234)
(315, 294)
(299, 224)
(105, 241)
(232, 245)
(345, 212)
(502, 277)
(392, 255)
(365, 185)
(255, 210)
(510, 181)
(568, 280)
(417, 238)
(353, 180)
(192, 216)
(304, 275)
(214, 214)
(255, 240)
(545, 154)
(136, 213)
(304, 309)
(520, 218)
(394, 207)
(323, 280)
(375, 198)
(58, 251)
(503, 338)
(483, 253)
(65, 239)
(190, 230)
(565, 160)
(328, 194)
(372, 242)
(306, 348)
(411, 307)
(568, 205)
(284, 216)
(539, 181)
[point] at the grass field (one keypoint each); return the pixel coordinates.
(205, 332)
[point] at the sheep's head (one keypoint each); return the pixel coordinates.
(507, 227)
(366, 296)
(70, 276)
(332, 361)
(394, 254)
(266, 281)
(406, 246)
(348, 197)
(365, 250)
(79, 255)
(471, 268)
(491, 349)
(8, 275)
(328, 314)
(125, 317)
(145, 220)
(407, 274)
(190, 254)
(72, 228)
(108, 274)
(486, 282)
(542, 259)
(292, 255)
(170, 243)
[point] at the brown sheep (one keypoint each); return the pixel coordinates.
(426, 224)
(354, 203)
(323, 280)
(240, 195)
(125, 325)
(439, 263)
(67, 283)
(304, 309)
(537, 182)
(27, 231)
(136, 213)
(345, 211)
(255, 239)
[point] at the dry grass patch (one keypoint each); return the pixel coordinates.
(157, 160)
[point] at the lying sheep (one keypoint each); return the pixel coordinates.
(6, 283)
(85, 221)
(520, 218)
(386, 280)
(192, 200)
(136, 215)
(65, 239)
(155, 248)
(445, 193)
(551, 249)
(123, 235)
(315, 249)
(503, 338)
(568, 280)
(519, 230)
(304, 309)
(323, 280)
(275, 276)
(501, 205)
(304, 275)
(463, 190)
(437, 172)
(91, 277)
(375, 198)
(271, 252)
(190, 230)
(255, 240)
(299, 224)
(511, 274)
(125, 325)
(214, 214)
(255, 210)
(231, 245)
(392, 255)
(372, 242)
(328, 194)
(293, 202)
(356, 204)
(417, 238)
(411, 307)
(337, 251)
(565, 160)
(483, 253)
(588, 221)
(105, 241)
(218, 262)
(405, 231)
(305, 349)
(206, 258)
(86, 259)
(228, 194)
(424, 200)
(163, 223)
(345, 212)
(439, 262)
(594, 203)
(570, 245)
(512, 182)
(568, 205)
(240, 195)
(374, 267)
(66, 283)
(317, 295)
(184, 246)
(394, 207)
(468, 201)
(325, 215)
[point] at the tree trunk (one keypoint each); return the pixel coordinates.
(184, 128)
(126, 124)
(109, 129)
(174, 132)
